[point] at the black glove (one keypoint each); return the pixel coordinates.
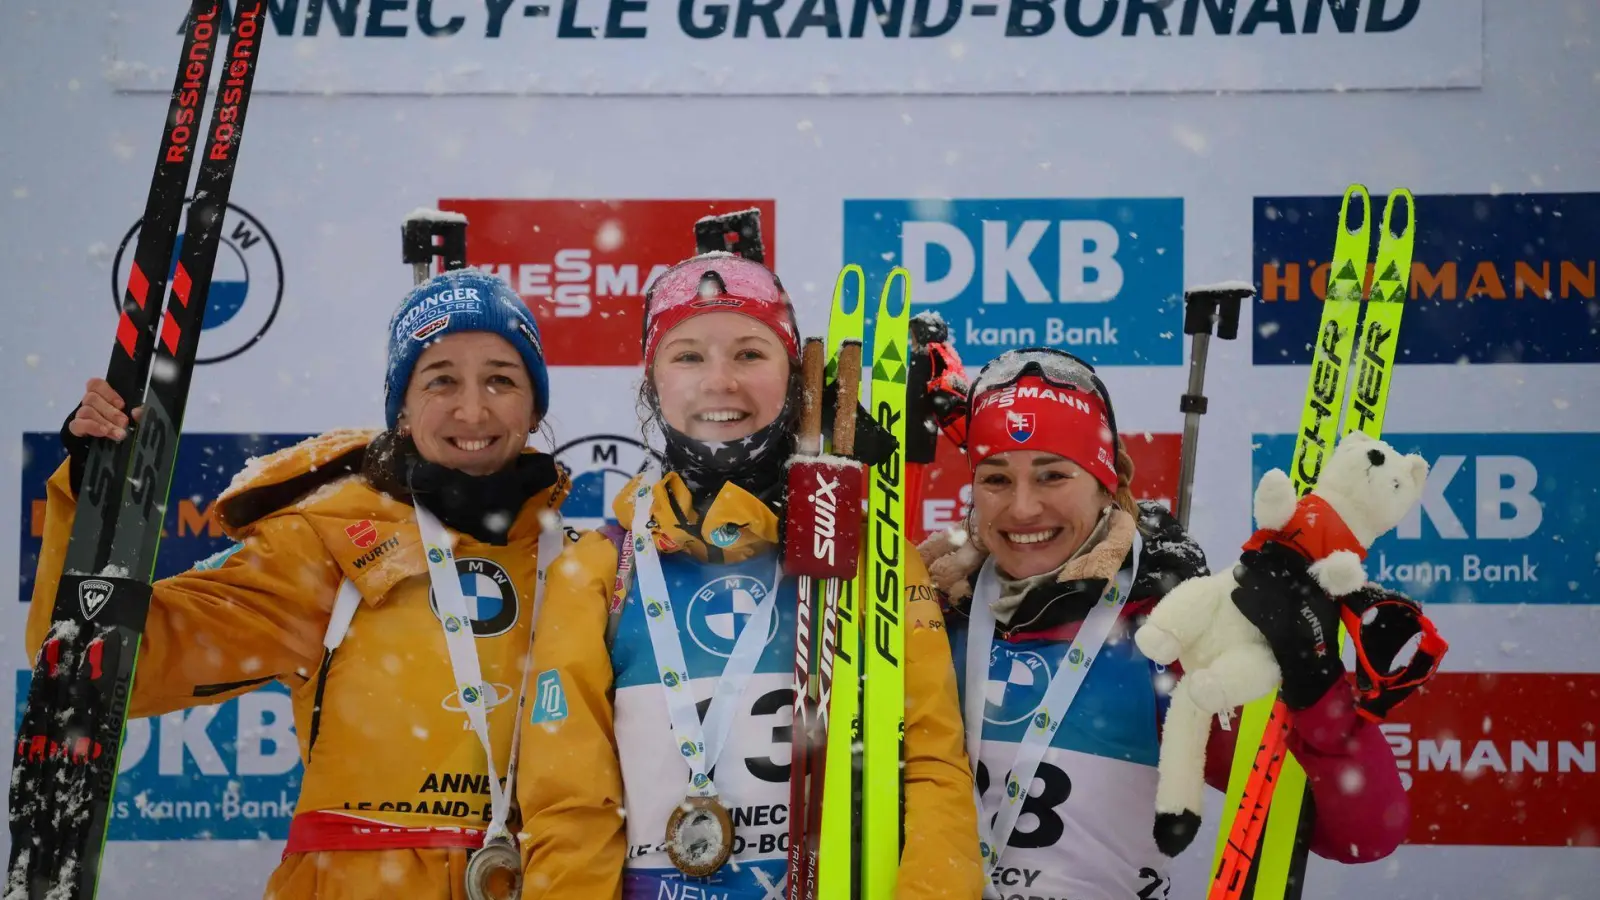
(77, 452)
(1279, 596)
(1383, 625)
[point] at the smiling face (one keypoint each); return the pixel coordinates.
(470, 403)
(720, 376)
(1034, 510)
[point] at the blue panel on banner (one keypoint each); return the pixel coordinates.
(1508, 278)
(229, 772)
(205, 465)
(1506, 518)
(1100, 278)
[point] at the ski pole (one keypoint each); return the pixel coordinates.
(427, 233)
(1204, 308)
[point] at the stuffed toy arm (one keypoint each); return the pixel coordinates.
(1279, 596)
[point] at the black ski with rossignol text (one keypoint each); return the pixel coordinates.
(70, 737)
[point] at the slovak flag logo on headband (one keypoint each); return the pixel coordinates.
(1019, 425)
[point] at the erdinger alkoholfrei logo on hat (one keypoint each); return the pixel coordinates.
(246, 284)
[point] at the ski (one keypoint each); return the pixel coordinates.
(882, 604)
(1262, 846)
(70, 737)
(838, 875)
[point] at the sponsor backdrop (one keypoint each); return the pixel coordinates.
(1123, 150)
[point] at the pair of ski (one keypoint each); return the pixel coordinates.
(70, 738)
(1261, 852)
(845, 830)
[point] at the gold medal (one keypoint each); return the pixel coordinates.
(494, 872)
(699, 836)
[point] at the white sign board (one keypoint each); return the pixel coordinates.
(834, 46)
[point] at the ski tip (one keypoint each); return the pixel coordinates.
(1353, 191)
(1410, 212)
(886, 300)
(842, 298)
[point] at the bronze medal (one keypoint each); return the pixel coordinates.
(494, 872)
(699, 836)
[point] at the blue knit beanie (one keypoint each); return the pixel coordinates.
(460, 300)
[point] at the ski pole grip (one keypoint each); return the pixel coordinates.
(844, 420)
(811, 397)
(1215, 306)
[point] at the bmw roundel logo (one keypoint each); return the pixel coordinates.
(246, 284)
(601, 466)
(718, 610)
(491, 598)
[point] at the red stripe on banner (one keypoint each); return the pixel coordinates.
(127, 335)
(181, 284)
(138, 286)
(170, 333)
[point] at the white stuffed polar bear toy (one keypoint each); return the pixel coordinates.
(1364, 490)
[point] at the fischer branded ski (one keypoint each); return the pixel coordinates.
(882, 603)
(1262, 846)
(70, 737)
(838, 874)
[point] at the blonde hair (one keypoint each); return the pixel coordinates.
(1124, 492)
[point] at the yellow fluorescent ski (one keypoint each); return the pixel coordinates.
(882, 604)
(1368, 395)
(1319, 423)
(840, 797)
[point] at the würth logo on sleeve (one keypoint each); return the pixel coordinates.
(93, 595)
(363, 533)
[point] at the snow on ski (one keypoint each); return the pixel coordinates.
(69, 740)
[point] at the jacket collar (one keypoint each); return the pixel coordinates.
(735, 526)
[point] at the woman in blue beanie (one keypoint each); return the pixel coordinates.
(375, 572)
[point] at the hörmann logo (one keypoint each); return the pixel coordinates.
(1495, 278)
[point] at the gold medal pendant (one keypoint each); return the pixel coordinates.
(494, 872)
(699, 836)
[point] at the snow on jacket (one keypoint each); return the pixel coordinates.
(1092, 802)
(393, 769)
(600, 772)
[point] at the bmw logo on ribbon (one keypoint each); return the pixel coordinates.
(246, 284)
